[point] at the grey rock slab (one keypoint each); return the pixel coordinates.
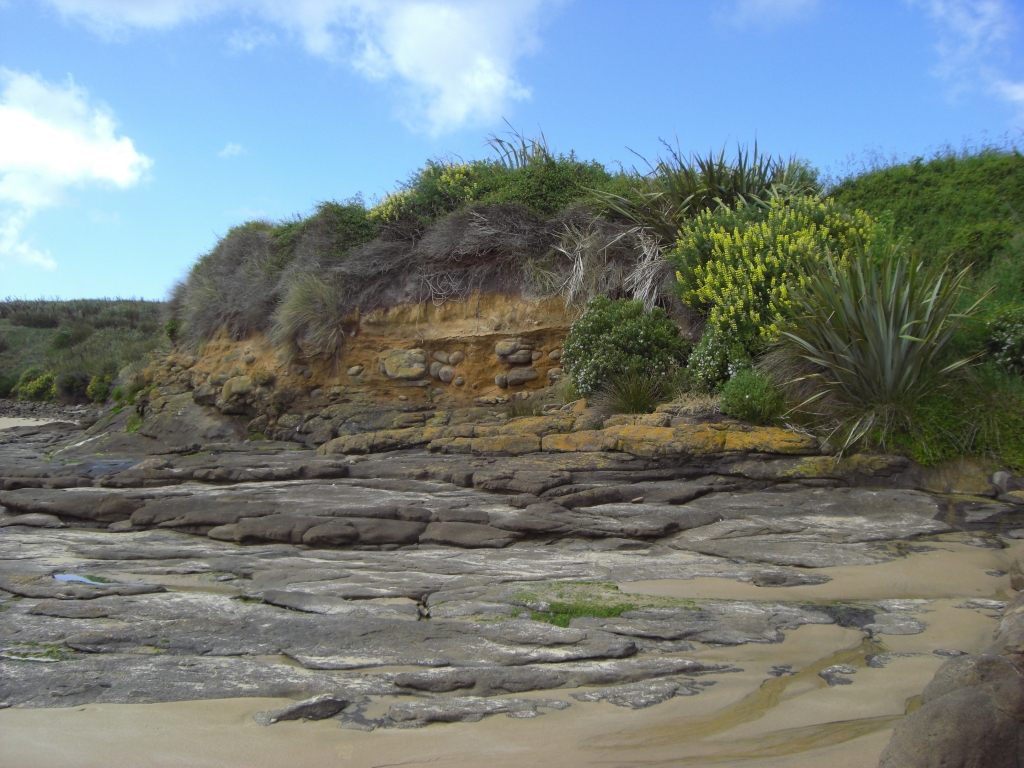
(490, 681)
(87, 504)
(785, 550)
(720, 622)
(837, 674)
(307, 603)
(467, 535)
(875, 504)
(466, 709)
(643, 694)
(33, 520)
(317, 708)
(135, 679)
(45, 586)
(895, 624)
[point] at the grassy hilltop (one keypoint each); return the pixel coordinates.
(784, 287)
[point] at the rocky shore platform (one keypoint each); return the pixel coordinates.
(552, 589)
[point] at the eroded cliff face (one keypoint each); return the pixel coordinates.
(482, 351)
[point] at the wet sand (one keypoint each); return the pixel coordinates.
(749, 718)
(7, 423)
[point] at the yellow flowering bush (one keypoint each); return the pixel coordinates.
(438, 188)
(738, 266)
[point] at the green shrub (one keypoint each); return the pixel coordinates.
(70, 386)
(171, 329)
(1006, 339)
(634, 392)
(70, 335)
(99, 388)
(752, 397)
(36, 384)
(620, 337)
(869, 338)
(34, 318)
(131, 426)
(979, 413)
(738, 267)
(962, 207)
(8, 382)
(545, 184)
(118, 394)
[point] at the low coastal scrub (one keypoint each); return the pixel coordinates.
(56, 350)
(884, 310)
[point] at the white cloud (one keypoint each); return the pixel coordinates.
(51, 140)
(974, 40)
(231, 150)
(454, 59)
(769, 12)
(248, 40)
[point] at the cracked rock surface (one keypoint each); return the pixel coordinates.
(401, 589)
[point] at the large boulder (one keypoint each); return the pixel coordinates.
(404, 364)
(972, 716)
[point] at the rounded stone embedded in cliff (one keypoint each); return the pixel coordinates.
(355, 370)
(446, 373)
(554, 374)
(456, 357)
(520, 357)
(441, 357)
(459, 381)
(555, 354)
(404, 364)
(435, 369)
(518, 376)
(501, 381)
(511, 346)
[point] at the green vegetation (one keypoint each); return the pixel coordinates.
(28, 650)
(634, 392)
(738, 266)
(753, 397)
(559, 603)
(615, 338)
(680, 188)
(519, 407)
(847, 307)
(58, 349)
(869, 339)
(962, 207)
(560, 614)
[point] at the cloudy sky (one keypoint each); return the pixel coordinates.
(134, 132)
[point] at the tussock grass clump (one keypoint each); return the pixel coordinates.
(634, 392)
(679, 187)
(519, 407)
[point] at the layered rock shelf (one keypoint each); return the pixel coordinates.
(448, 565)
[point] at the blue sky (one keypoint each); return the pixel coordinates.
(134, 132)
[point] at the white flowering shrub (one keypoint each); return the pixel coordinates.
(613, 338)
